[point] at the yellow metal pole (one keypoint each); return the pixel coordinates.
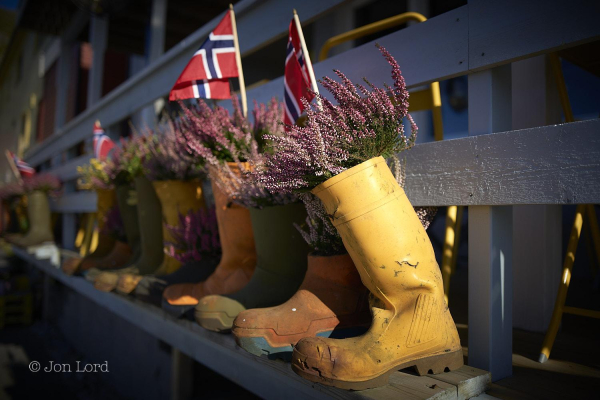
(559, 305)
(448, 248)
(457, 229)
(369, 29)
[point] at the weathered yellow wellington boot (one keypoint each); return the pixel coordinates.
(106, 199)
(237, 264)
(38, 214)
(177, 198)
(412, 326)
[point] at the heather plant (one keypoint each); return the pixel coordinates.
(196, 236)
(166, 157)
(125, 162)
(321, 235)
(93, 175)
(113, 225)
(11, 190)
(317, 230)
(232, 149)
(47, 183)
(366, 122)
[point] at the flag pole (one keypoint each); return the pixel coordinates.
(238, 59)
(13, 167)
(309, 66)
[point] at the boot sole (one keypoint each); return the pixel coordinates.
(260, 346)
(436, 364)
(216, 321)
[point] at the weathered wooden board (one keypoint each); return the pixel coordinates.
(558, 164)
(266, 378)
(436, 49)
(504, 31)
(469, 381)
(79, 202)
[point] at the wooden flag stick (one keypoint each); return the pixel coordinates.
(13, 167)
(238, 60)
(309, 67)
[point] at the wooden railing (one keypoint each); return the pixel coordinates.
(547, 165)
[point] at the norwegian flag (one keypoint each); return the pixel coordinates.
(102, 143)
(208, 72)
(296, 79)
(25, 170)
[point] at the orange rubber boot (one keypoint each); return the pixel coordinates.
(412, 326)
(238, 258)
(176, 197)
(331, 302)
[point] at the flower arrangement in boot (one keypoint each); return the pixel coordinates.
(166, 157)
(94, 176)
(195, 238)
(231, 148)
(11, 190)
(339, 156)
(44, 182)
(37, 189)
(364, 124)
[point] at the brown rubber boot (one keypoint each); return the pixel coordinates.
(38, 214)
(331, 302)
(106, 199)
(412, 326)
(177, 198)
(118, 256)
(237, 262)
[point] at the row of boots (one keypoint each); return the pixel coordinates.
(347, 320)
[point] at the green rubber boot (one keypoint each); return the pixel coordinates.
(38, 214)
(129, 216)
(149, 216)
(282, 260)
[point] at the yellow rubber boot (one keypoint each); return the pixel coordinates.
(38, 214)
(412, 326)
(106, 199)
(176, 197)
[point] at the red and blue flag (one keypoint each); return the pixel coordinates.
(102, 143)
(297, 79)
(208, 72)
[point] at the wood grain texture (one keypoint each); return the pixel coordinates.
(267, 379)
(79, 202)
(469, 381)
(432, 50)
(558, 164)
(509, 30)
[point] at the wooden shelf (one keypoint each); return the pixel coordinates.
(266, 378)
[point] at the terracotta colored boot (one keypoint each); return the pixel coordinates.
(237, 262)
(176, 197)
(106, 199)
(38, 213)
(412, 326)
(331, 302)
(282, 258)
(149, 213)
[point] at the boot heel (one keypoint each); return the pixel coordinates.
(441, 363)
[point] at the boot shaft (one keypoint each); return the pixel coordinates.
(149, 213)
(235, 231)
(381, 232)
(178, 198)
(279, 245)
(38, 211)
(105, 200)
(129, 215)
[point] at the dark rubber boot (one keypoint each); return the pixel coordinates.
(282, 260)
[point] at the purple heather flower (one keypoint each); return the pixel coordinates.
(196, 236)
(365, 123)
